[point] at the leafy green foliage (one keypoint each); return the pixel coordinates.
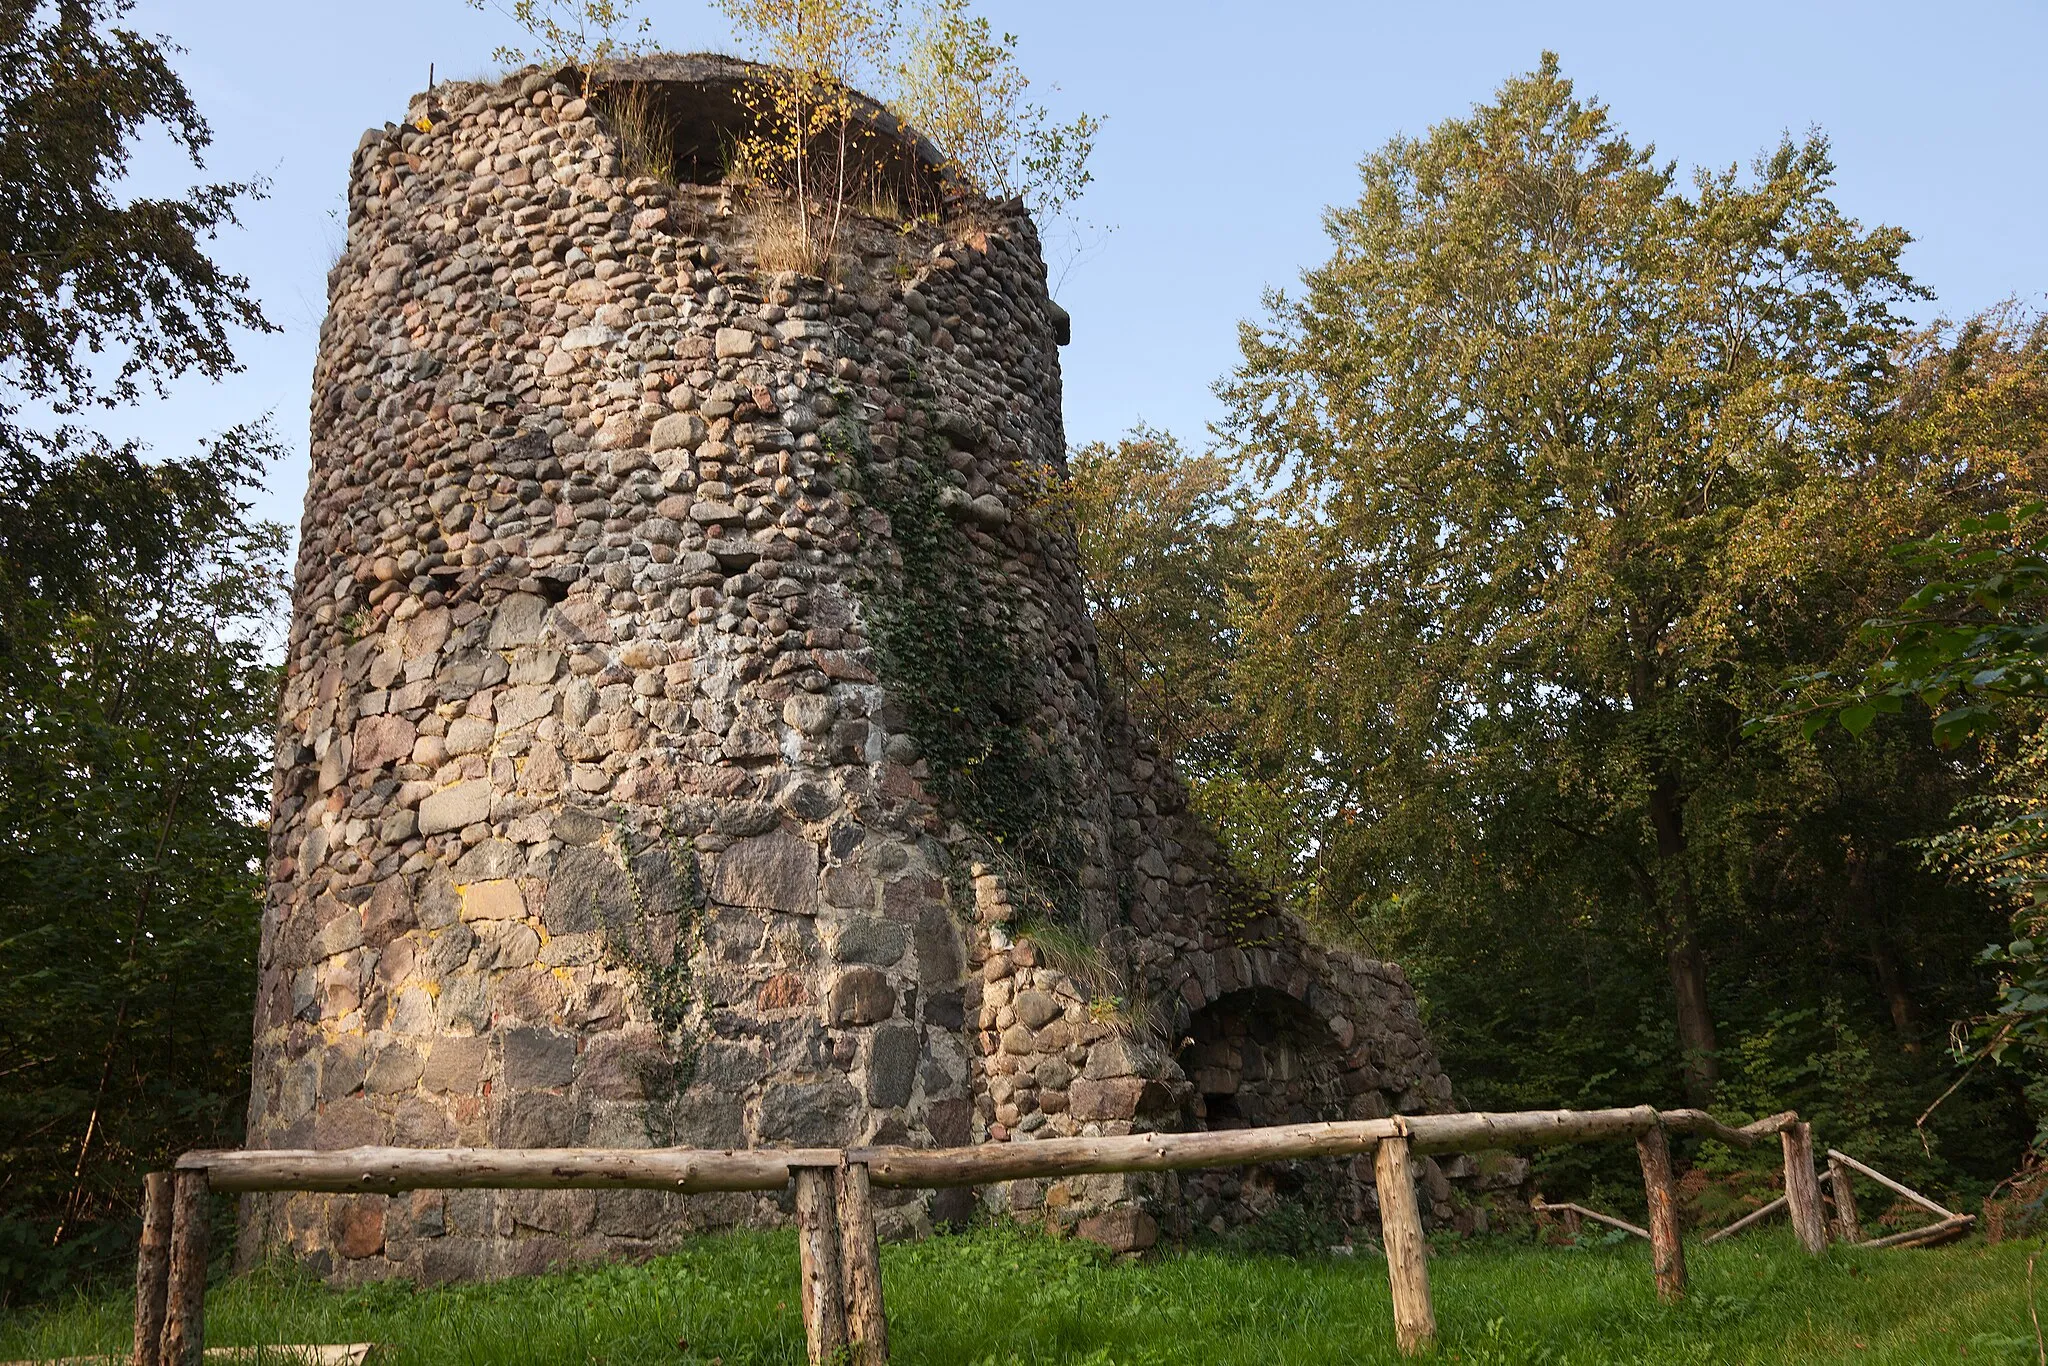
(948, 76)
(1969, 643)
(656, 942)
(136, 692)
(810, 142)
(98, 297)
(1169, 542)
(1560, 465)
(945, 629)
(2021, 1015)
(1534, 1003)
(134, 754)
(958, 83)
(82, 275)
(1166, 551)
(1967, 640)
(1468, 680)
(1968, 648)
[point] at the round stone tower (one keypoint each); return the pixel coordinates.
(692, 731)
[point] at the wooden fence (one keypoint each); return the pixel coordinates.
(840, 1269)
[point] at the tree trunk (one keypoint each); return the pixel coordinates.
(1891, 982)
(1695, 1022)
(152, 1270)
(1841, 1185)
(184, 1333)
(1401, 1235)
(822, 1289)
(1687, 965)
(75, 1200)
(860, 1269)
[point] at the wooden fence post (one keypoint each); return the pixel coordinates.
(860, 1266)
(1401, 1232)
(152, 1269)
(1802, 1188)
(1848, 1228)
(184, 1335)
(1667, 1253)
(823, 1292)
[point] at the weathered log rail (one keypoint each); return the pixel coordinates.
(1542, 1206)
(690, 1171)
(841, 1283)
(1847, 1228)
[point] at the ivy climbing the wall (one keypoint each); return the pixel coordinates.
(946, 632)
(654, 937)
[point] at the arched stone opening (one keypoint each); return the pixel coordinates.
(1260, 1057)
(1256, 1057)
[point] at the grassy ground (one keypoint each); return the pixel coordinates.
(997, 1297)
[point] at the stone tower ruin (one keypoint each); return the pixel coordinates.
(693, 732)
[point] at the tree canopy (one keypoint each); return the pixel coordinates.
(1165, 549)
(101, 297)
(1568, 458)
(135, 682)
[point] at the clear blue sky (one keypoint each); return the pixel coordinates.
(1230, 128)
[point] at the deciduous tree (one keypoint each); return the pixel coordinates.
(1567, 457)
(134, 690)
(1965, 653)
(1165, 549)
(959, 83)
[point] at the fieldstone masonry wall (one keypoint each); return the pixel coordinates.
(596, 820)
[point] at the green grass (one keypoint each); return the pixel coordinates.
(997, 1296)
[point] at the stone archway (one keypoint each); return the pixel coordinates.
(1260, 1057)
(1255, 1057)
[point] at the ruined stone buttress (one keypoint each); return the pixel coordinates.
(693, 732)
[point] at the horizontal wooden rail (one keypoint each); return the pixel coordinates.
(936, 1168)
(927, 1168)
(693, 1170)
(388, 1170)
(1748, 1136)
(843, 1310)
